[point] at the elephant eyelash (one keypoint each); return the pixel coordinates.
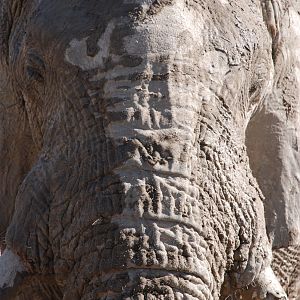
(35, 67)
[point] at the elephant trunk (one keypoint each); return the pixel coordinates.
(162, 199)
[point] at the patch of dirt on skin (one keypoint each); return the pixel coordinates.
(142, 13)
(286, 265)
(157, 6)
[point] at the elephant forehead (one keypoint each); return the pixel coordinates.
(55, 23)
(169, 27)
(176, 30)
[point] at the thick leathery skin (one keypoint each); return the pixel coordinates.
(140, 184)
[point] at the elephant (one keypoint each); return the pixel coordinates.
(130, 142)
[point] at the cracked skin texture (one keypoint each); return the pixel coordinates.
(136, 183)
(286, 264)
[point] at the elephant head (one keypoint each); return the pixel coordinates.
(125, 170)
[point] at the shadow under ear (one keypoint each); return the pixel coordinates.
(18, 152)
(272, 136)
(272, 141)
(264, 143)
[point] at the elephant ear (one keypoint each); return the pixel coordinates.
(273, 143)
(5, 28)
(273, 135)
(10, 13)
(17, 150)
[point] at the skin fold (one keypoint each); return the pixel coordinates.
(125, 172)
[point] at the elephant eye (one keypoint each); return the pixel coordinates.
(33, 74)
(35, 68)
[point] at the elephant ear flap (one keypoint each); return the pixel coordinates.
(273, 135)
(6, 22)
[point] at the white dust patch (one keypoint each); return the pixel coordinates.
(176, 31)
(76, 53)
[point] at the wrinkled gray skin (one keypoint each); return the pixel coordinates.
(124, 169)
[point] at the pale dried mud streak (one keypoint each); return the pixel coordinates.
(286, 265)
